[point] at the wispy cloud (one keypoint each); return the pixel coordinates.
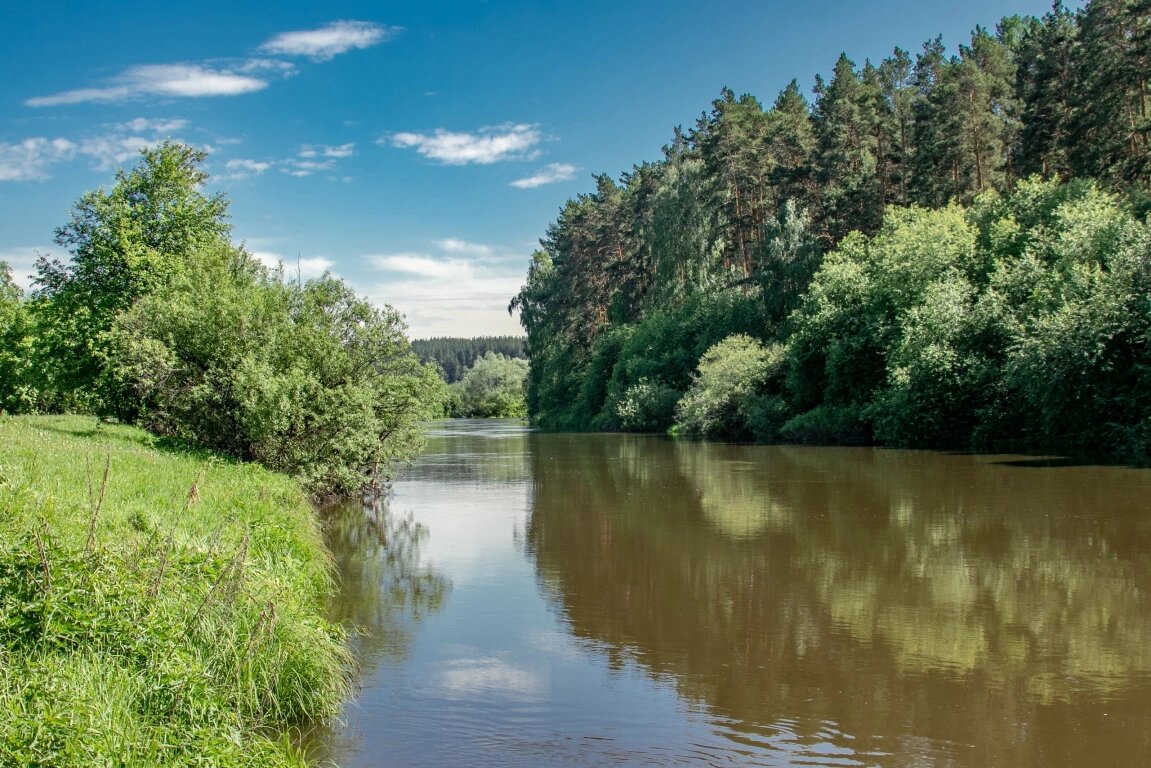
(329, 40)
(310, 159)
(224, 77)
(420, 265)
(464, 285)
(322, 150)
(29, 159)
(316, 158)
(173, 81)
(141, 124)
(241, 168)
(455, 245)
(549, 174)
(121, 142)
(485, 146)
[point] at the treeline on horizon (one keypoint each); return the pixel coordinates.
(455, 355)
(937, 250)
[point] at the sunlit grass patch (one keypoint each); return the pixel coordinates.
(156, 607)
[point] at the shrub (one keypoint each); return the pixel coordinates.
(493, 388)
(646, 406)
(307, 379)
(828, 425)
(732, 394)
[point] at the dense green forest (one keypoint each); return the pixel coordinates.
(485, 374)
(456, 355)
(159, 319)
(937, 250)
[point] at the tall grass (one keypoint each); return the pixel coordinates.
(157, 608)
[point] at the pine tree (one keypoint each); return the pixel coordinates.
(1112, 129)
(1046, 81)
(845, 115)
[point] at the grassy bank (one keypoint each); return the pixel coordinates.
(157, 607)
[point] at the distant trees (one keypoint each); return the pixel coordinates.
(892, 242)
(493, 387)
(455, 356)
(158, 319)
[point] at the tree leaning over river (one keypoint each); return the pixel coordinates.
(159, 319)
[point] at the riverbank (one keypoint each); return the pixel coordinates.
(157, 606)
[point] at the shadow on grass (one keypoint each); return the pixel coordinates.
(89, 427)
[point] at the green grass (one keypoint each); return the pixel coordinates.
(157, 607)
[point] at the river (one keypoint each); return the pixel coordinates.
(533, 599)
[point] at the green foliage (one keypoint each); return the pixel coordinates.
(1075, 305)
(848, 319)
(456, 355)
(645, 406)
(15, 331)
(158, 319)
(939, 373)
(156, 608)
(735, 394)
(1023, 321)
(828, 425)
(492, 388)
(147, 231)
(307, 379)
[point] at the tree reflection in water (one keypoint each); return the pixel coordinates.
(385, 590)
(920, 601)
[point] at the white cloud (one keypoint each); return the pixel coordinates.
(455, 245)
(419, 265)
(169, 80)
(324, 150)
(301, 168)
(315, 158)
(113, 150)
(328, 41)
(22, 260)
(486, 146)
(440, 296)
(550, 174)
(305, 268)
(309, 160)
(28, 160)
(248, 166)
(241, 168)
(487, 677)
(141, 124)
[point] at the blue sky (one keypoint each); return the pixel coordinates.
(417, 149)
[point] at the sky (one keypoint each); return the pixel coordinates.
(417, 149)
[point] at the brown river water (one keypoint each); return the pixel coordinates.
(534, 599)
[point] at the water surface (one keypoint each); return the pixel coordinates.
(540, 599)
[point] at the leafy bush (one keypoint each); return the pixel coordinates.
(158, 319)
(15, 329)
(492, 388)
(828, 425)
(732, 394)
(646, 406)
(307, 379)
